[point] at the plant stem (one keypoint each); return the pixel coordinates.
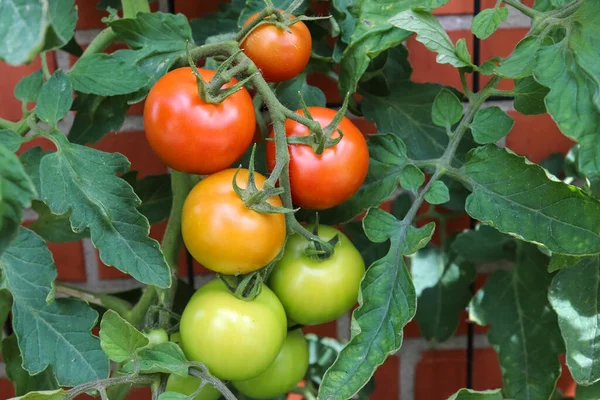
(138, 312)
(5, 124)
(45, 69)
(101, 42)
(209, 379)
(107, 301)
(530, 12)
(104, 383)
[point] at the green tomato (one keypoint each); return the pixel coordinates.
(317, 291)
(235, 339)
(157, 336)
(283, 375)
(188, 385)
(175, 337)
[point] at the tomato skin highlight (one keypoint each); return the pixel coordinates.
(323, 181)
(187, 385)
(193, 136)
(283, 374)
(279, 55)
(312, 291)
(157, 336)
(236, 339)
(225, 236)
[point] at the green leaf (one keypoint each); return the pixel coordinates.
(96, 116)
(106, 75)
(490, 125)
(387, 302)
(28, 88)
(462, 51)
(82, 179)
(484, 244)
(118, 338)
(487, 21)
(443, 292)
(437, 193)
(521, 61)
(591, 392)
(22, 29)
(157, 31)
(523, 329)
(287, 93)
(575, 296)
(16, 192)
(58, 394)
(518, 198)
(55, 228)
(5, 304)
(561, 261)
(62, 17)
(447, 109)
(167, 358)
(388, 158)
(529, 96)
(214, 23)
(431, 33)
(370, 251)
(43, 325)
(411, 178)
(254, 6)
(55, 99)
(10, 140)
(22, 381)
(468, 394)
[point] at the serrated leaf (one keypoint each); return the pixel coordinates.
(22, 381)
(487, 21)
(31, 160)
(118, 338)
(443, 292)
(523, 328)
(43, 325)
(106, 75)
(387, 302)
(387, 158)
(447, 109)
(16, 192)
(167, 358)
(10, 140)
(96, 116)
(22, 28)
(468, 394)
(490, 125)
(54, 228)
(518, 198)
(521, 61)
(591, 392)
(287, 93)
(62, 18)
(157, 31)
(561, 261)
(484, 244)
(431, 33)
(83, 180)
(28, 88)
(55, 99)
(155, 193)
(529, 96)
(411, 178)
(462, 51)
(437, 193)
(58, 394)
(214, 23)
(254, 6)
(575, 296)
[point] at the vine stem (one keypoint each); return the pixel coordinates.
(102, 384)
(45, 69)
(530, 12)
(107, 301)
(100, 42)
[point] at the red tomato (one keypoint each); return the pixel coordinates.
(279, 55)
(325, 180)
(193, 136)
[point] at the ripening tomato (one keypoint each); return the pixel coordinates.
(279, 55)
(283, 374)
(236, 339)
(189, 384)
(193, 136)
(316, 291)
(326, 180)
(157, 336)
(225, 236)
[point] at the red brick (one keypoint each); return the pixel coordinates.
(135, 146)
(196, 9)
(198, 268)
(426, 69)
(329, 329)
(139, 394)
(501, 43)
(45, 144)
(536, 137)
(365, 126)
(440, 373)
(565, 383)
(11, 107)
(6, 389)
(455, 7)
(327, 85)
(386, 380)
(70, 261)
(91, 18)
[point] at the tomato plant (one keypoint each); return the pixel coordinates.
(437, 155)
(191, 135)
(341, 169)
(314, 291)
(283, 374)
(235, 338)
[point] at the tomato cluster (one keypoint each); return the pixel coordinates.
(247, 341)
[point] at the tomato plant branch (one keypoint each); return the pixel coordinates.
(45, 69)
(530, 12)
(201, 372)
(101, 385)
(100, 42)
(104, 300)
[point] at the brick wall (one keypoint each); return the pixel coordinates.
(420, 371)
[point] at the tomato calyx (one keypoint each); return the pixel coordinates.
(256, 199)
(317, 250)
(244, 287)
